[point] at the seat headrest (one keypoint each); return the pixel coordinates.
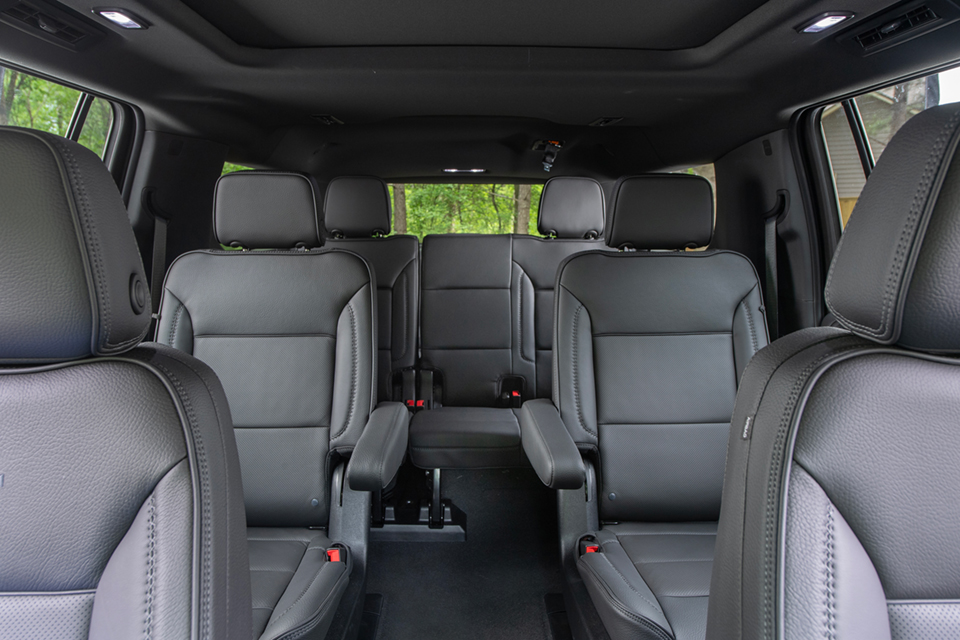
(70, 271)
(357, 207)
(661, 211)
(571, 208)
(266, 210)
(894, 277)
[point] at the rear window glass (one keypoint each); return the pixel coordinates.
(423, 209)
(35, 103)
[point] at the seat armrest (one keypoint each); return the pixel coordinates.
(549, 446)
(381, 448)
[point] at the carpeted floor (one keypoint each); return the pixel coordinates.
(494, 585)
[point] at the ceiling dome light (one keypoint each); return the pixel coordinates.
(824, 21)
(122, 18)
(464, 170)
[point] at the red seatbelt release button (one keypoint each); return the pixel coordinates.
(411, 403)
(591, 548)
(333, 555)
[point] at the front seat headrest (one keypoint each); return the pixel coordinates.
(895, 277)
(357, 207)
(266, 209)
(661, 211)
(571, 208)
(70, 271)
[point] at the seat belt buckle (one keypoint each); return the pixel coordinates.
(338, 553)
(405, 387)
(511, 391)
(589, 544)
(333, 555)
(425, 393)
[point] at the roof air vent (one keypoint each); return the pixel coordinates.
(52, 23)
(899, 24)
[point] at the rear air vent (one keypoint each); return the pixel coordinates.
(51, 22)
(899, 26)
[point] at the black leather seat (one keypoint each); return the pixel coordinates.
(842, 493)
(292, 334)
(485, 319)
(121, 511)
(649, 347)
(357, 217)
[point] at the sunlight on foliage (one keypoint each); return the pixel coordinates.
(35, 103)
(466, 208)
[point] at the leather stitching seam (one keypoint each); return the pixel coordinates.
(176, 321)
(151, 549)
(622, 577)
(576, 373)
(830, 614)
(353, 372)
(773, 486)
(205, 498)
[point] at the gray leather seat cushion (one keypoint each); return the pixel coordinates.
(466, 438)
(670, 561)
(291, 579)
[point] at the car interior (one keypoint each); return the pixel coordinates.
(498, 320)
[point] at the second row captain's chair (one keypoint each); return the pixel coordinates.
(649, 346)
(356, 212)
(121, 511)
(291, 332)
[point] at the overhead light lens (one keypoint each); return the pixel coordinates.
(464, 170)
(824, 21)
(121, 18)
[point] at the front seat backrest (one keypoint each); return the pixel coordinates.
(121, 512)
(842, 492)
(357, 216)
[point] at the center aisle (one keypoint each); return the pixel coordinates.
(494, 585)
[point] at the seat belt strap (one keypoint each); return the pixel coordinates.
(158, 270)
(773, 299)
(771, 218)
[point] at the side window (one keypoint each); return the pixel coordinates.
(857, 131)
(35, 103)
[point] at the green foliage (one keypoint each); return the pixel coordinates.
(96, 128)
(28, 101)
(466, 208)
(229, 167)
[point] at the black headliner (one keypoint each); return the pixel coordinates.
(413, 110)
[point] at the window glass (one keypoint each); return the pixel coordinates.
(229, 167)
(422, 209)
(27, 101)
(96, 128)
(35, 103)
(883, 113)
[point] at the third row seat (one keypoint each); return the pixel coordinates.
(486, 316)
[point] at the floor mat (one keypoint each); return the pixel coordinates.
(492, 586)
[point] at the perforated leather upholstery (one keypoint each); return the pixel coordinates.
(121, 510)
(842, 493)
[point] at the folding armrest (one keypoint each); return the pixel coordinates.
(549, 446)
(381, 448)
